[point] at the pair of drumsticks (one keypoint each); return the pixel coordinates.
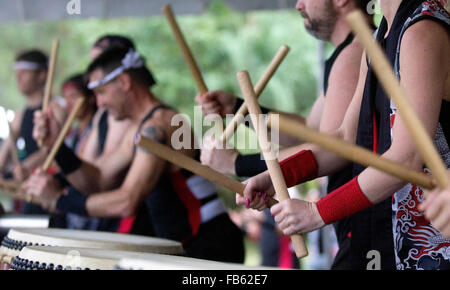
(347, 150)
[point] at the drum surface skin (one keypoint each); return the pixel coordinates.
(17, 239)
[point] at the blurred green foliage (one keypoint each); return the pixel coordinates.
(223, 42)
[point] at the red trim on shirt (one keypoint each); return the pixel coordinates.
(189, 200)
(126, 224)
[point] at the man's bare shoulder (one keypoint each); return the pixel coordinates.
(155, 129)
(427, 40)
(426, 30)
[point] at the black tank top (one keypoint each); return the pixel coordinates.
(26, 133)
(102, 132)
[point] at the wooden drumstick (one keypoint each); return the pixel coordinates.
(352, 152)
(192, 165)
(62, 135)
(385, 74)
(195, 71)
(49, 81)
(272, 164)
(51, 73)
(259, 88)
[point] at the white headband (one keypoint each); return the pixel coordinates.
(27, 65)
(131, 60)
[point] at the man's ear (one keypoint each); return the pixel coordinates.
(340, 3)
(124, 81)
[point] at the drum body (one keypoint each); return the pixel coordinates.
(17, 239)
(69, 258)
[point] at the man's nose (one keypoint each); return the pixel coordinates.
(300, 6)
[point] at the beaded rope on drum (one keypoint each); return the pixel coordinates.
(14, 245)
(25, 264)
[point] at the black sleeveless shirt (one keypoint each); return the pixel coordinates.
(26, 133)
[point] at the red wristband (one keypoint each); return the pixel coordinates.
(343, 202)
(299, 168)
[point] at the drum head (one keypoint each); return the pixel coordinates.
(19, 238)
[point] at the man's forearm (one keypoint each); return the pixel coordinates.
(116, 203)
(35, 160)
(4, 150)
(81, 174)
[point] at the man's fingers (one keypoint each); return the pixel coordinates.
(433, 209)
(289, 231)
(446, 231)
(441, 220)
(240, 200)
(276, 209)
(431, 196)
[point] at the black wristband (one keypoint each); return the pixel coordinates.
(62, 179)
(74, 202)
(67, 160)
(249, 165)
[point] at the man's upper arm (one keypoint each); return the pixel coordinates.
(315, 116)
(90, 150)
(349, 126)
(146, 168)
(423, 78)
(343, 81)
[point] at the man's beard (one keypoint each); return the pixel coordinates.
(322, 28)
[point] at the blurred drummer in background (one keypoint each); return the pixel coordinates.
(30, 68)
(99, 141)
